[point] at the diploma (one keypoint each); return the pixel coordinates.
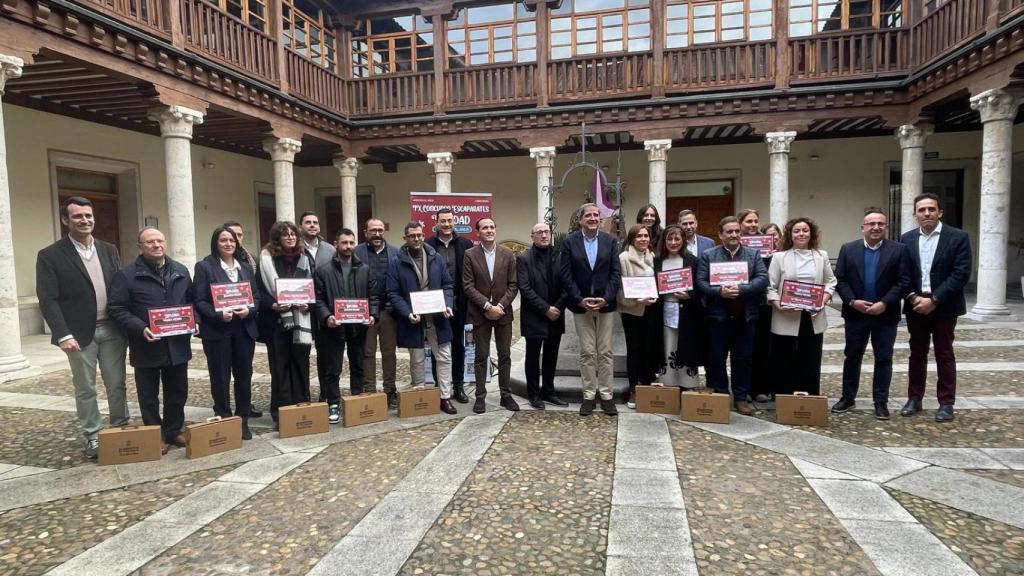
(729, 273)
(802, 295)
(764, 244)
(639, 287)
(427, 302)
(672, 281)
(352, 310)
(231, 295)
(295, 291)
(172, 321)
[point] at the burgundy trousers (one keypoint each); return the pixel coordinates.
(925, 330)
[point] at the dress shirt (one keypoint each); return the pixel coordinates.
(489, 257)
(590, 245)
(926, 245)
(86, 252)
(231, 271)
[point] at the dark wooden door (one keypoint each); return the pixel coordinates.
(710, 210)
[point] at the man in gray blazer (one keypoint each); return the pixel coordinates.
(322, 253)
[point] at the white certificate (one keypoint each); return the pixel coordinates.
(639, 287)
(427, 302)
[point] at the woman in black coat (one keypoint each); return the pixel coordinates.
(229, 336)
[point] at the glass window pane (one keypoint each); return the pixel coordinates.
(586, 36)
(424, 52)
(503, 56)
(478, 34)
(403, 22)
(526, 41)
(639, 15)
(703, 24)
(456, 48)
(733, 34)
(676, 41)
(561, 52)
(639, 30)
(478, 47)
(495, 13)
(860, 22)
(427, 39)
(561, 38)
(760, 4)
(586, 23)
(799, 14)
(403, 42)
(760, 18)
(422, 24)
(639, 44)
(403, 55)
(732, 7)
(612, 20)
(526, 27)
(586, 48)
(703, 37)
(476, 59)
(561, 24)
(503, 32)
(732, 21)
(592, 5)
(527, 55)
(425, 65)
(613, 33)
(677, 11)
(801, 29)
(795, 3)
(759, 34)
(613, 46)
(704, 10)
(456, 35)
(503, 44)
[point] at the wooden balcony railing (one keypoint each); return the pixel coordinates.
(314, 83)
(713, 66)
(502, 84)
(1011, 8)
(214, 33)
(394, 94)
(954, 22)
(850, 54)
(147, 14)
(600, 76)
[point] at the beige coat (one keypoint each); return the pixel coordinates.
(787, 322)
(632, 264)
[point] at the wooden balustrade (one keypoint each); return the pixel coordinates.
(392, 94)
(147, 14)
(850, 54)
(219, 35)
(713, 66)
(954, 22)
(314, 83)
(1011, 8)
(600, 76)
(502, 84)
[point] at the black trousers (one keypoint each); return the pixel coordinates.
(458, 345)
(541, 360)
(643, 346)
(232, 354)
(334, 356)
(882, 332)
(175, 389)
(798, 359)
(732, 338)
(762, 372)
(321, 348)
(289, 371)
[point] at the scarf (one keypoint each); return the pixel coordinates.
(294, 320)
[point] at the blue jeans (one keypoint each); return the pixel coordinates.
(733, 337)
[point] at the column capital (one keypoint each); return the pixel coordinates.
(914, 135)
(778, 142)
(996, 105)
(176, 121)
(657, 150)
(441, 161)
(544, 156)
(282, 149)
(10, 67)
(348, 167)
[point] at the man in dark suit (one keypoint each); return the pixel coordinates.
(452, 249)
(940, 261)
(732, 310)
(72, 283)
(322, 253)
(489, 281)
(591, 277)
(872, 275)
(695, 243)
(542, 316)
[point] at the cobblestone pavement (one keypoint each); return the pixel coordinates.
(973, 383)
(834, 335)
(40, 438)
(1015, 477)
(963, 354)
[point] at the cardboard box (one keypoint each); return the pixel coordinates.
(129, 444)
(657, 399)
(364, 409)
(419, 401)
(801, 409)
(705, 407)
(302, 419)
(214, 436)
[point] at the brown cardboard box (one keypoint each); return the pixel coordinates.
(801, 409)
(302, 419)
(364, 409)
(214, 436)
(419, 401)
(705, 407)
(129, 444)
(657, 399)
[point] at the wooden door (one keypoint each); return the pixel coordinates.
(100, 189)
(710, 210)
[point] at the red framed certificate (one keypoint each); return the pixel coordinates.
(295, 291)
(231, 295)
(672, 281)
(351, 310)
(802, 295)
(172, 321)
(729, 273)
(764, 244)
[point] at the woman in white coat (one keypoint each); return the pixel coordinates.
(797, 334)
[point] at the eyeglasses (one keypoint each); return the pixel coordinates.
(288, 234)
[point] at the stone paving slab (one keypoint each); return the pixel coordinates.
(866, 463)
(1012, 477)
(12, 471)
(809, 470)
(740, 427)
(967, 492)
(1009, 457)
(647, 566)
(859, 500)
(957, 458)
(905, 549)
(646, 488)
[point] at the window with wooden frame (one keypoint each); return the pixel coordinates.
(306, 32)
(584, 27)
(688, 23)
(492, 34)
(933, 5)
(808, 17)
(252, 12)
(392, 45)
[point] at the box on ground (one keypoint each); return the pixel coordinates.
(705, 406)
(214, 436)
(302, 419)
(657, 399)
(801, 409)
(419, 401)
(364, 409)
(128, 444)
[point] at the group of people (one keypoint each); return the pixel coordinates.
(98, 311)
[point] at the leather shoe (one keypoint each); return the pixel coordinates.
(509, 404)
(913, 406)
(459, 394)
(164, 447)
(480, 406)
(392, 400)
(253, 412)
(536, 403)
(881, 411)
(945, 413)
(609, 407)
(447, 407)
(555, 400)
(587, 408)
(246, 433)
(744, 408)
(179, 441)
(843, 405)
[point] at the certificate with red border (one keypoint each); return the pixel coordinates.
(672, 281)
(639, 287)
(351, 310)
(802, 295)
(729, 273)
(172, 321)
(230, 295)
(295, 291)
(764, 244)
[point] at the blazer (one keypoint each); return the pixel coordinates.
(402, 280)
(784, 267)
(362, 252)
(703, 244)
(951, 270)
(891, 279)
(580, 281)
(212, 325)
(134, 290)
(631, 265)
(751, 292)
(328, 285)
(481, 290)
(324, 253)
(539, 290)
(461, 245)
(67, 298)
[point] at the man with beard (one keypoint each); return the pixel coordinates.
(452, 250)
(378, 255)
(695, 243)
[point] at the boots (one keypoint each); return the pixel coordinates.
(459, 394)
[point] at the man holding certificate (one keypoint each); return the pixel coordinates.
(732, 279)
(151, 302)
(346, 303)
(420, 291)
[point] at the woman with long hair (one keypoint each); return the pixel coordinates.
(772, 229)
(683, 333)
(641, 317)
(648, 216)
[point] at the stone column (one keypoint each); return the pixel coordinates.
(13, 363)
(912, 140)
(282, 152)
(442, 163)
(349, 169)
(176, 124)
(998, 108)
(778, 191)
(544, 156)
(657, 158)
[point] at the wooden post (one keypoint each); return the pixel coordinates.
(440, 63)
(994, 13)
(543, 42)
(172, 12)
(780, 23)
(277, 33)
(658, 48)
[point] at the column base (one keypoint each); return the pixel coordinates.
(991, 313)
(17, 367)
